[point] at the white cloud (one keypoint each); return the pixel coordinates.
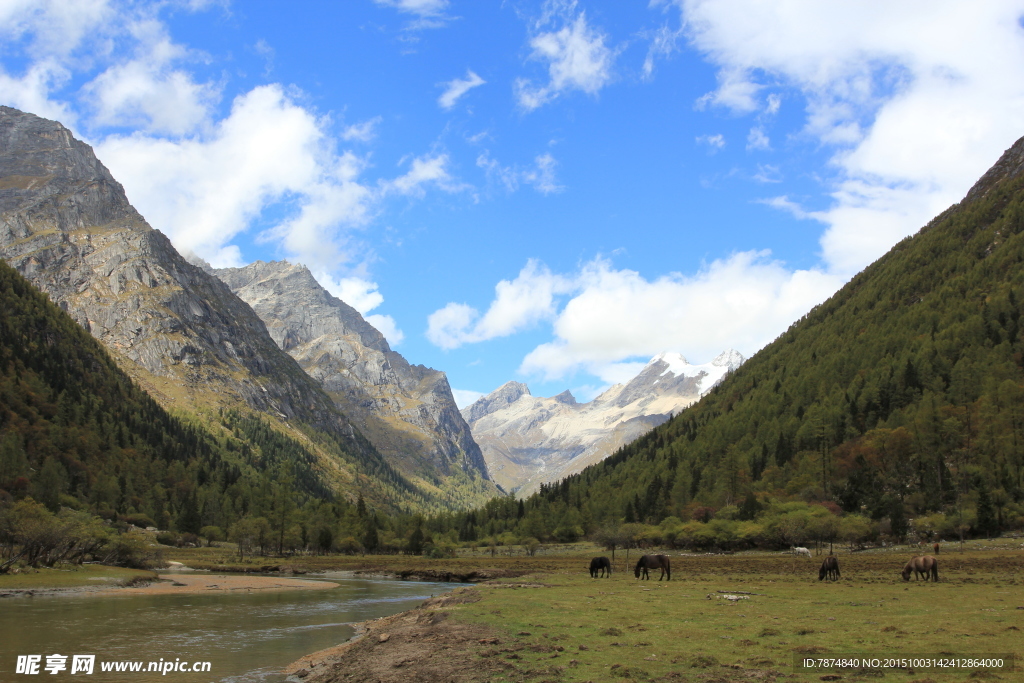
(518, 304)
(54, 29)
(424, 170)
(784, 203)
(364, 131)
(663, 42)
(768, 173)
(465, 397)
(357, 292)
(541, 175)
(428, 13)
(31, 91)
(743, 302)
(917, 99)
(456, 88)
(615, 316)
(422, 8)
(362, 295)
(49, 33)
(757, 139)
(387, 326)
(715, 142)
(204, 191)
(576, 55)
(146, 92)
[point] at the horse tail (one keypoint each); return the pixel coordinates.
(935, 571)
(668, 568)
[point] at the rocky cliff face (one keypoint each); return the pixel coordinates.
(527, 440)
(407, 411)
(66, 225)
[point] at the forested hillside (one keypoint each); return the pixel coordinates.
(76, 433)
(897, 406)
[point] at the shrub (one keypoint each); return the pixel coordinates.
(130, 549)
(214, 533)
(167, 538)
(138, 519)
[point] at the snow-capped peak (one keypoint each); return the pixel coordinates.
(676, 363)
(730, 358)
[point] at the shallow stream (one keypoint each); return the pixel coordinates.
(246, 637)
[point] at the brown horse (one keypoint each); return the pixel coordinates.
(829, 569)
(654, 562)
(924, 565)
(936, 548)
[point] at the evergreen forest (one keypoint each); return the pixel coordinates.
(893, 410)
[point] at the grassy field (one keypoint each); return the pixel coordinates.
(72, 576)
(582, 629)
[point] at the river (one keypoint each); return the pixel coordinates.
(247, 638)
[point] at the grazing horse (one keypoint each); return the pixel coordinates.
(653, 562)
(829, 569)
(802, 551)
(936, 548)
(924, 565)
(601, 564)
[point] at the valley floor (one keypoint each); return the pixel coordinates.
(746, 617)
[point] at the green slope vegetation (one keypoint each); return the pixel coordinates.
(76, 434)
(896, 407)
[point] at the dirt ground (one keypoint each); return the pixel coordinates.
(421, 645)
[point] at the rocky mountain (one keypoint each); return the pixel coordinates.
(406, 411)
(528, 440)
(67, 226)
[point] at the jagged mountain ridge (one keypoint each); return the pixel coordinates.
(529, 440)
(67, 226)
(407, 411)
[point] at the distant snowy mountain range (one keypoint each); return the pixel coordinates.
(528, 440)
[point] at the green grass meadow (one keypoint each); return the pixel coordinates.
(575, 628)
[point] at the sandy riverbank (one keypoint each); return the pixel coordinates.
(182, 584)
(172, 584)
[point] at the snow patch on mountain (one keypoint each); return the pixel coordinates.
(529, 440)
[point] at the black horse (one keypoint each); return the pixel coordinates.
(600, 564)
(654, 562)
(829, 569)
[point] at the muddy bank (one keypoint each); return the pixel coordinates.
(43, 592)
(442, 575)
(423, 644)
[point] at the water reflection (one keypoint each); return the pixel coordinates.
(246, 637)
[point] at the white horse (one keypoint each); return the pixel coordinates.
(802, 551)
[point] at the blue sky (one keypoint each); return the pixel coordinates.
(548, 191)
